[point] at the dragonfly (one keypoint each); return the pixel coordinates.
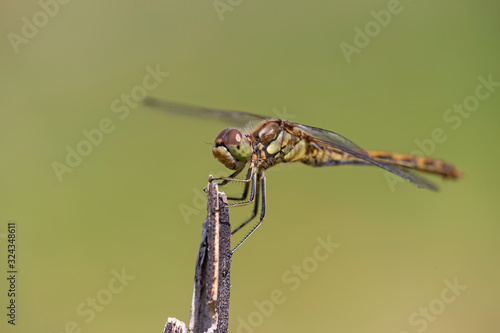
(272, 141)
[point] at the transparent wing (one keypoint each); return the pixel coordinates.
(241, 119)
(346, 145)
(237, 118)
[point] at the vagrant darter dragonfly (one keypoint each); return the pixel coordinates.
(274, 141)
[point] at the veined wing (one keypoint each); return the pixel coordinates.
(346, 145)
(237, 118)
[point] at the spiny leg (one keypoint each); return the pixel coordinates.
(231, 177)
(225, 181)
(245, 191)
(234, 174)
(252, 168)
(249, 182)
(253, 181)
(262, 180)
(254, 213)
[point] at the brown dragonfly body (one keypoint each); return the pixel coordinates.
(275, 141)
(279, 141)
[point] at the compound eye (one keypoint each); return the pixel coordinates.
(237, 144)
(232, 137)
(220, 138)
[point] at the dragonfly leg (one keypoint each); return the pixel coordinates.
(245, 191)
(254, 213)
(248, 182)
(262, 181)
(231, 176)
(251, 170)
(253, 181)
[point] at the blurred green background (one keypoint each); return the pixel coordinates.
(134, 206)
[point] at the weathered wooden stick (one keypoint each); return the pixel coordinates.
(210, 302)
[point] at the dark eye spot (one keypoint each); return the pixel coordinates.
(238, 147)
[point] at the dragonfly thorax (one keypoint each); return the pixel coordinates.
(232, 148)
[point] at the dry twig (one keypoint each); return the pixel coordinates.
(210, 302)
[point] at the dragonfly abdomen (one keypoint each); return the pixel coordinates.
(323, 156)
(319, 155)
(420, 163)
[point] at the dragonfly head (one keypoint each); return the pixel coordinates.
(232, 148)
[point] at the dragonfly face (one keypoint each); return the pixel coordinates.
(275, 141)
(232, 148)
